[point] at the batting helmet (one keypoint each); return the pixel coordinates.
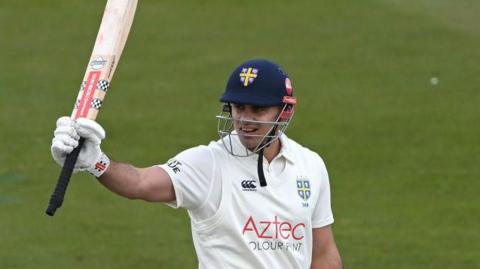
(258, 82)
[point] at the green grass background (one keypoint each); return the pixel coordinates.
(403, 154)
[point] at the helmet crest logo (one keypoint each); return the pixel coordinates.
(248, 75)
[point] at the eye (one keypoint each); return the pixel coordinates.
(259, 109)
(239, 106)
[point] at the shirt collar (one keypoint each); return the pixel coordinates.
(286, 148)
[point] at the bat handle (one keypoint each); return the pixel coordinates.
(56, 200)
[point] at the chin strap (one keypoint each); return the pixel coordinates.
(261, 175)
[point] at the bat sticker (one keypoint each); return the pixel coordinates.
(96, 103)
(98, 63)
(103, 85)
(82, 86)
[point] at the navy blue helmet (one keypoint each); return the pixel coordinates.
(258, 82)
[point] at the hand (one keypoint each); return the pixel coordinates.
(66, 137)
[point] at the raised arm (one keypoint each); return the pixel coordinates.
(150, 184)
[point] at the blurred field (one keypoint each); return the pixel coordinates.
(403, 153)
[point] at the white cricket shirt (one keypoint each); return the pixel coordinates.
(238, 224)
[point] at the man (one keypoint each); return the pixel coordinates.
(256, 199)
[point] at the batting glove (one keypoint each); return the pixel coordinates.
(66, 136)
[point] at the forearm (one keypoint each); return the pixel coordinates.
(151, 184)
(122, 179)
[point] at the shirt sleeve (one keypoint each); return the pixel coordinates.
(322, 212)
(191, 172)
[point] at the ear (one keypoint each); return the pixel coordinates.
(287, 113)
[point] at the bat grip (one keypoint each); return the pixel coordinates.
(56, 200)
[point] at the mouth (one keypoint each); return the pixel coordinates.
(247, 130)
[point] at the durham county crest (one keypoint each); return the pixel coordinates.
(248, 75)
(303, 190)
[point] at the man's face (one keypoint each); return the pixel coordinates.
(252, 133)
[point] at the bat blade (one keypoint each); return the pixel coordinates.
(111, 38)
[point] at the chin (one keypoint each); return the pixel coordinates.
(249, 142)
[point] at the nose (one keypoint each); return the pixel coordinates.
(245, 117)
(247, 114)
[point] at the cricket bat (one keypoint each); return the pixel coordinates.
(114, 28)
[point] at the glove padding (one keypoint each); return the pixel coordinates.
(66, 137)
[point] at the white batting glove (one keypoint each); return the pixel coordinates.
(66, 136)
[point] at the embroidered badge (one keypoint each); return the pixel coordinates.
(248, 75)
(303, 190)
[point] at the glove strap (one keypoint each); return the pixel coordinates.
(100, 166)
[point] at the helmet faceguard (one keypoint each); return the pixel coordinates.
(227, 133)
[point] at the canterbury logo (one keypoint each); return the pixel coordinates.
(249, 185)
